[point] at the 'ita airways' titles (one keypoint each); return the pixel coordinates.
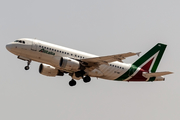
(58, 60)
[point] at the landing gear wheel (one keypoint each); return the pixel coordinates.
(28, 63)
(72, 82)
(26, 67)
(86, 79)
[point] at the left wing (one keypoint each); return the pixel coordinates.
(96, 61)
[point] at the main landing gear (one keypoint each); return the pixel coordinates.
(85, 79)
(28, 63)
(72, 82)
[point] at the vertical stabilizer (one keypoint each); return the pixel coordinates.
(150, 60)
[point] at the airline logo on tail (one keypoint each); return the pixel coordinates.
(142, 69)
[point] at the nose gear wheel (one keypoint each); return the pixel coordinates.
(28, 63)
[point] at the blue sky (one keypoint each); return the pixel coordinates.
(99, 27)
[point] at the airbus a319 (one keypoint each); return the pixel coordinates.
(58, 60)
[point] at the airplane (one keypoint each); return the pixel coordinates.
(58, 60)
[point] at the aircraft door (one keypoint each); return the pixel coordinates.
(34, 46)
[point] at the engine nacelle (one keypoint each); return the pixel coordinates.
(48, 70)
(70, 64)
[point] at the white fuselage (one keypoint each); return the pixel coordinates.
(47, 53)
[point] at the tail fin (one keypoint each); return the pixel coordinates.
(150, 60)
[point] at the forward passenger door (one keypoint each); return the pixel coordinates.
(34, 46)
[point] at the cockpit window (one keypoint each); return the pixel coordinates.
(20, 41)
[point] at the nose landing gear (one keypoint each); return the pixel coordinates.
(26, 67)
(28, 63)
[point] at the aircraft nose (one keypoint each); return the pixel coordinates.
(9, 46)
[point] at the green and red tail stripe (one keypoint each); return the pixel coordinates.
(147, 63)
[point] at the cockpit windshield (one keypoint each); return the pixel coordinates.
(20, 41)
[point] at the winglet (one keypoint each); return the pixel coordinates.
(138, 54)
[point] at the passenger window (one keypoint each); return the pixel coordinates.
(60, 51)
(23, 42)
(71, 54)
(39, 45)
(68, 53)
(52, 49)
(44, 47)
(64, 52)
(57, 50)
(49, 48)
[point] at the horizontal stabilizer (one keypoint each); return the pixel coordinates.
(156, 74)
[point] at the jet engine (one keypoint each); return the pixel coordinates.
(71, 64)
(48, 70)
